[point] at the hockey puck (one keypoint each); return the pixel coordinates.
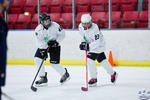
(84, 89)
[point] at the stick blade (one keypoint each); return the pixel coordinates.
(33, 88)
(84, 89)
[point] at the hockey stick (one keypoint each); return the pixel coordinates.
(8, 97)
(86, 88)
(32, 87)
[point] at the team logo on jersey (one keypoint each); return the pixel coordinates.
(144, 95)
(46, 39)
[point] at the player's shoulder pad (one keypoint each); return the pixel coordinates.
(80, 26)
(38, 28)
(95, 26)
(57, 26)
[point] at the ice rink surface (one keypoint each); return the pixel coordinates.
(130, 81)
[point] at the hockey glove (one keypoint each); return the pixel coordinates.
(84, 46)
(43, 53)
(53, 43)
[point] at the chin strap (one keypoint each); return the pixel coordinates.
(47, 26)
(87, 27)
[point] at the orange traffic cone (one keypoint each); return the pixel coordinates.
(110, 59)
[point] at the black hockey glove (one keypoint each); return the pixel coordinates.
(84, 46)
(43, 53)
(53, 43)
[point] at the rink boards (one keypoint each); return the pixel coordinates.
(129, 47)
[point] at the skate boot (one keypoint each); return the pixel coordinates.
(114, 77)
(65, 77)
(42, 81)
(92, 82)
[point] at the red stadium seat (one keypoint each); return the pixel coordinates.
(145, 6)
(34, 21)
(55, 17)
(97, 5)
(99, 18)
(23, 21)
(83, 5)
(143, 19)
(115, 5)
(78, 18)
(12, 18)
(128, 5)
(56, 6)
(66, 20)
(116, 18)
(10, 6)
(17, 6)
(129, 19)
(30, 6)
(67, 6)
(45, 5)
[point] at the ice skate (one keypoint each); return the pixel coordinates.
(42, 81)
(114, 77)
(65, 77)
(92, 82)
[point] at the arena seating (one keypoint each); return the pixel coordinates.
(23, 22)
(34, 21)
(124, 13)
(99, 18)
(12, 18)
(97, 5)
(17, 6)
(115, 5)
(30, 6)
(146, 5)
(143, 19)
(83, 5)
(66, 20)
(130, 19)
(56, 6)
(128, 5)
(67, 6)
(116, 19)
(45, 4)
(55, 17)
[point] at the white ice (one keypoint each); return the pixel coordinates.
(130, 81)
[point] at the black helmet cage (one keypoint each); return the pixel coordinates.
(43, 17)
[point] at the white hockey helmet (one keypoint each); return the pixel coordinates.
(86, 18)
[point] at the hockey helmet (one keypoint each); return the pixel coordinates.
(86, 18)
(44, 17)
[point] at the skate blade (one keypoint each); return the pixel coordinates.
(66, 80)
(115, 79)
(93, 85)
(41, 85)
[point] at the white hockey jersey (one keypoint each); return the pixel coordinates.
(94, 37)
(54, 32)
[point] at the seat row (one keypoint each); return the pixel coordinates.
(65, 6)
(129, 19)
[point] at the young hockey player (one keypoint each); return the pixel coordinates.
(48, 37)
(93, 42)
